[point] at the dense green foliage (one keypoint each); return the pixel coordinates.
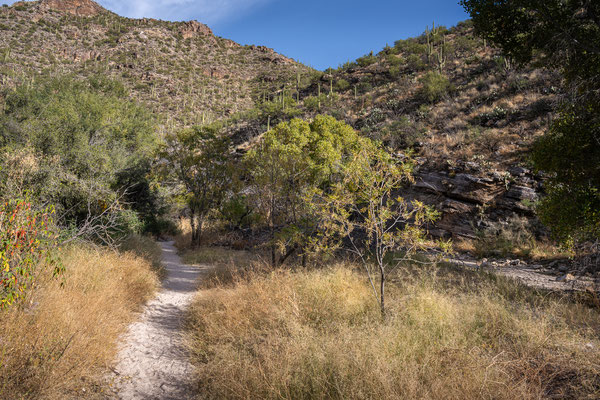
(197, 159)
(571, 151)
(563, 34)
(78, 145)
(293, 159)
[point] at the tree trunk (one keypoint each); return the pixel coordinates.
(289, 253)
(382, 290)
(193, 225)
(199, 226)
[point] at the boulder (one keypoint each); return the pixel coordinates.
(193, 28)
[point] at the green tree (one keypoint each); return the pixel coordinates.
(291, 160)
(364, 208)
(197, 158)
(564, 35)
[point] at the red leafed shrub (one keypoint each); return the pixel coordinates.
(27, 244)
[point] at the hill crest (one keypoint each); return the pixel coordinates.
(81, 8)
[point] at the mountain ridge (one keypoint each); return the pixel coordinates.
(181, 70)
(82, 8)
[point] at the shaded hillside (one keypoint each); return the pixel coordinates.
(180, 69)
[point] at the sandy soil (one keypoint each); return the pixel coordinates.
(152, 362)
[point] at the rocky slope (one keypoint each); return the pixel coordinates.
(180, 69)
(466, 111)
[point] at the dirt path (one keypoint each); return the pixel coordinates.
(152, 363)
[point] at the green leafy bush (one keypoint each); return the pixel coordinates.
(415, 62)
(71, 143)
(342, 85)
(435, 87)
(27, 243)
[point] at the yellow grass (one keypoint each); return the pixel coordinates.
(319, 335)
(59, 344)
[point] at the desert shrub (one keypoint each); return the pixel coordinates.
(342, 85)
(364, 87)
(376, 116)
(467, 44)
(57, 346)
(367, 60)
(403, 133)
(311, 103)
(435, 87)
(489, 140)
(492, 117)
(415, 62)
(411, 47)
(27, 246)
(393, 60)
(319, 335)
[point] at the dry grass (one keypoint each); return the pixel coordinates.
(319, 335)
(59, 345)
(227, 266)
(146, 248)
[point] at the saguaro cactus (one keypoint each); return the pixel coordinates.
(319, 95)
(441, 57)
(429, 44)
(331, 86)
(298, 87)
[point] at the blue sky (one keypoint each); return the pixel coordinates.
(320, 33)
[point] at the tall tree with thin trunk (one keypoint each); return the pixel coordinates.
(364, 210)
(198, 160)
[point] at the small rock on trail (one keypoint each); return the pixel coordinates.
(152, 363)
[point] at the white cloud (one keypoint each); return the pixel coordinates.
(206, 11)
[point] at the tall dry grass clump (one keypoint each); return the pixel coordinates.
(319, 335)
(59, 344)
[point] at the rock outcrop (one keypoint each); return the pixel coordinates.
(82, 8)
(193, 28)
(468, 200)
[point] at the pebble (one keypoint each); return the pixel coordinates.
(563, 268)
(566, 278)
(589, 346)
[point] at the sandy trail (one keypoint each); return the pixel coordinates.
(152, 362)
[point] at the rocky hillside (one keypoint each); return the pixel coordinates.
(470, 115)
(180, 69)
(467, 113)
